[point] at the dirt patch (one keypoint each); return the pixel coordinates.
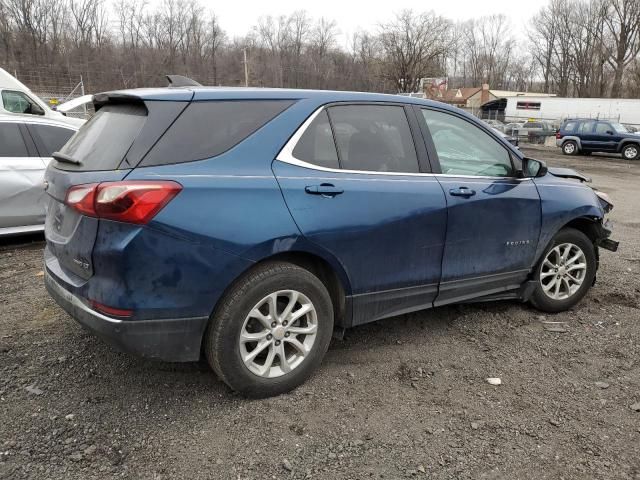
(402, 398)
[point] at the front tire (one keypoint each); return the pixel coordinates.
(631, 152)
(570, 148)
(270, 331)
(565, 273)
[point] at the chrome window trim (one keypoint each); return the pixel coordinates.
(286, 156)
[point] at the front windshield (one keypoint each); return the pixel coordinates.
(618, 127)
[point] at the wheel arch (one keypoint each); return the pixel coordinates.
(589, 225)
(572, 138)
(628, 141)
(329, 271)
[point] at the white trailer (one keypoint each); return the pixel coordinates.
(556, 109)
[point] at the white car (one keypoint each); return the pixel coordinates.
(26, 145)
(17, 99)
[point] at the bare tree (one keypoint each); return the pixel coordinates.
(623, 26)
(412, 44)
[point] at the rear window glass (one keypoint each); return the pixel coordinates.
(316, 144)
(11, 142)
(207, 129)
(103, 141)
(49, 138)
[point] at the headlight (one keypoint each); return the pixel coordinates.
(605, 201)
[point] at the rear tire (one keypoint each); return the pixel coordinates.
(263, 305)
(631, 151)
(565, 272)
(570, 148)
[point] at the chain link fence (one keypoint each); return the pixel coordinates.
(55, 89)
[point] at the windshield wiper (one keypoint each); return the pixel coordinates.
(63, 157)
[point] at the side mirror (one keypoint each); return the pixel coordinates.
(532, 168)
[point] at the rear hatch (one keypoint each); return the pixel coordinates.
(105, 149)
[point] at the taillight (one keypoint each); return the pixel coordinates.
(82, 197)
(128, 201)
(558, 136)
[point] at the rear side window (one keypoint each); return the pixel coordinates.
(11, 142)
(103, 141)
(50, 139)
(316, 144)
(207, 129)
(569, 126)
(374, 138)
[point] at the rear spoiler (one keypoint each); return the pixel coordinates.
(102, 99)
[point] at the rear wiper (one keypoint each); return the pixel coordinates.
(63, 157)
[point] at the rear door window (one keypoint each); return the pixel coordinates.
(586, 127)
(11, 141)
(104, 140)
(209, 128)
(49, 139)
(374, 138)
(316, 144)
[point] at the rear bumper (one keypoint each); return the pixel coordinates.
(173, 340)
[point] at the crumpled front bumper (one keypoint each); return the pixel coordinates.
(173, 340)
(603, 240)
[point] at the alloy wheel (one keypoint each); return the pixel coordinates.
(563, 271)
(630, 152)
(278, 333)
(569, 148)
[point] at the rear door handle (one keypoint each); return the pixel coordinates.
(326, 189)
(462, 192)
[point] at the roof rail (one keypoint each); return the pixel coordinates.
(181, 81)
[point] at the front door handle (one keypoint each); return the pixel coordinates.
(462, 192)
(326, 189)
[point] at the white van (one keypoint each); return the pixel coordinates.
(17, 99)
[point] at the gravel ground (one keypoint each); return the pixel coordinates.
(401, 398)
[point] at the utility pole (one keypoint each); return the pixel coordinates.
(246, 68)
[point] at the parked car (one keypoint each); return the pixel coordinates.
(513, 128)
(26, 144)
(17, 99)
(249, 223)
(536, 131)
(587, 136)
(497, 124)
(513, 140)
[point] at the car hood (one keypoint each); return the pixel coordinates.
(568, 173)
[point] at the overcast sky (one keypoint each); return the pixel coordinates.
(237, 17)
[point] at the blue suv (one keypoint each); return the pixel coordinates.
(250, 224)
(588, 135)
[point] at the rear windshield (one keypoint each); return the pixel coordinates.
(103, 141)
(207, 129)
